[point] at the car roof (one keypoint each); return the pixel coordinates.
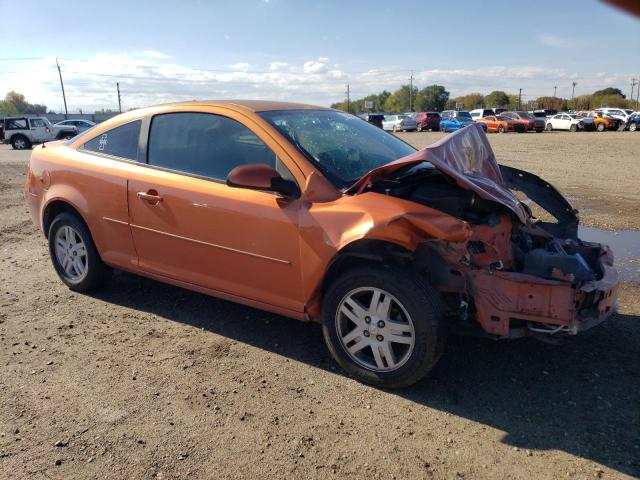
(252, 105)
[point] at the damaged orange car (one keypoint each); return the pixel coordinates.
(314, 214)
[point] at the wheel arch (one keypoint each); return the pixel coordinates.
(55, 207)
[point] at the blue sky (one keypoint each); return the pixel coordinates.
(309, 50)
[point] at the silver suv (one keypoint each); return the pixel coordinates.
(23, 132)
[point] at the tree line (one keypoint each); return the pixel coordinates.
(15, 103)
(436, 98)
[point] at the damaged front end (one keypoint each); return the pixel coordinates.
(522, 270)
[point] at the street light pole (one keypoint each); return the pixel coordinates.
(64, 97)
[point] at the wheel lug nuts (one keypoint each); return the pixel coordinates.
(380, 324)
(366, 333)
(367, 319)
(379, 338)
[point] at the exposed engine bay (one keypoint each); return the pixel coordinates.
(516, 274)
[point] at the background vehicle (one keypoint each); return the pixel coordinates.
(632, 122)
(532, 122)
(23, 132)
(81, 125)
(399, 123)
(598, 121)
(564, 121)
(427, 121)
(479, 113)
(452, 120)
(545, 114)
(617, 113)
(503, 124)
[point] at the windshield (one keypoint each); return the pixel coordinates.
(464, 116)
(526, 115)
(341, 146)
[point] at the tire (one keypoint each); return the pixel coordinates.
(633, 127)
(418, 316)
(573, 128)
(20, 142)
(442, 128)
(395, 129)
(549, 127)
(67, 235)
(419, 127)
(600, 127)
(501, 129)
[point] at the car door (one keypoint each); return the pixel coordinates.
(39, 129)
(188, 225)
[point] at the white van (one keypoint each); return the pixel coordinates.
(479, 113)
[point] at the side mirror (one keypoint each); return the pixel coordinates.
(259, 176)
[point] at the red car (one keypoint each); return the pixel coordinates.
(532, 122)
(427, 121)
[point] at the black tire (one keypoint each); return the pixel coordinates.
(501, 129)
(20, 142)
(600, 127)
(423, 305)
(97, 272)
(442, 129)
(573, 128)
(633, 127)
(549, 127)
(419, 127)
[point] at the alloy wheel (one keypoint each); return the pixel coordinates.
(374, 329)
(19, 144)
(71, 253)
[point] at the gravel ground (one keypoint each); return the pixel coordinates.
(144, 380)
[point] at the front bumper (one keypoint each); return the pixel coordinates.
(508, 302)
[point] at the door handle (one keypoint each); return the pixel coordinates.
(150, 196)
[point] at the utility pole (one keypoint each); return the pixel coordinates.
(64, 97)
(638, 96)
(520, 99)
(573, 90)
(411, 92)
(119, 103)
(633, 84)
(348, 98)
(554, 91)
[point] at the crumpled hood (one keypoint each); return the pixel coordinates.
(465, 156)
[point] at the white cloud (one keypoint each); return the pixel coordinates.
(155, 54)
(278, 66)
(554, 40)
(91, 84)
(240, 66)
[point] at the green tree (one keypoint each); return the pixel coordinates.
(473, 100)
(399, 100)
(15, 102)
(608, 91)
(497, 98)
(431, 98)
(598, 101)
(552, 103)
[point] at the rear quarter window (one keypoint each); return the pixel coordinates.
(119, 142)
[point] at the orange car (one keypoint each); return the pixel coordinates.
(599, 121)
(502, 124)
(314, 214)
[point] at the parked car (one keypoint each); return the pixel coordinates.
(533, 123)
(480, 113)
(81, 125)
(545, 114)
(617, 113)
(320, 216)
(564, 121)
(427, 121)
(598, 121)
(632, 122)
(452, 120)
(23, 132)
(399, 123)
(503, 124)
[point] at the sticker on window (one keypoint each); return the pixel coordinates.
(103, 141)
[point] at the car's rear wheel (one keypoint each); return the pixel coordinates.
(501, 129)
(633, 127)
(395, 128)
(74, 255)
(442, 128)
(549, 127)
(20, 142)
(383, 325)
(600, 127)
(573, 128)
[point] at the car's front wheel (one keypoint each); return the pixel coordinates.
(74, 255)
(549, 127)
(633, 127)
(573, 128)
(501, 129)
(383, 325)
(600, 127)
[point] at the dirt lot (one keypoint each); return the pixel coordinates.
(145, 380)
